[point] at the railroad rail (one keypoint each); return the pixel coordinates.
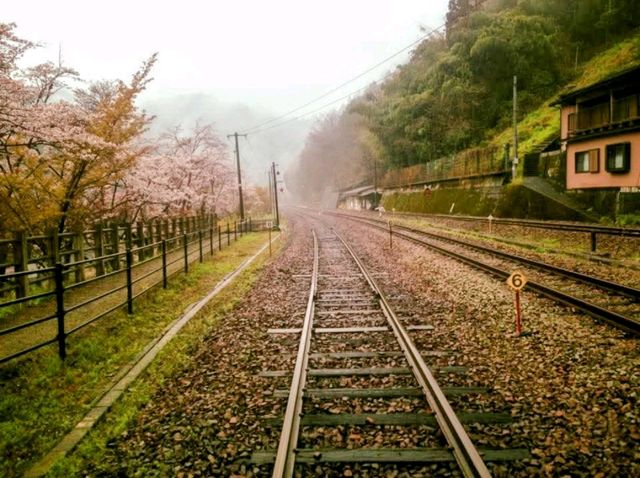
(629, 296)
(534, 223)
(589, 228)
(345, 296)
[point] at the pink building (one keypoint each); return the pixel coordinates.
(600, 132)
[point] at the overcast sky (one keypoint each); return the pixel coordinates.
(236, 63)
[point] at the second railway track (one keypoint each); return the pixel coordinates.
(602, 299)
(393, 408)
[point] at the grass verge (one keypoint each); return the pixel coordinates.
(42, 398)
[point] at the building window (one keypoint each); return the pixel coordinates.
(588, 161)
(618, 157)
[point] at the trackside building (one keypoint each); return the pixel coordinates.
(600, 133)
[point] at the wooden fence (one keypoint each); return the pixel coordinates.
(23, 253)
(54, 278)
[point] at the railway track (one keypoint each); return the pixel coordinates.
(602, 299)
(590, 228)
(351, 336)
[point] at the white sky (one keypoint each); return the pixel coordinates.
(269, 56)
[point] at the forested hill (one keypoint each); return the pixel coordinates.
(456, 90)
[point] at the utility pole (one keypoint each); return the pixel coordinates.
(375, 183)
(515, 128)
(275, 193)
(270, 191)
(235, 135)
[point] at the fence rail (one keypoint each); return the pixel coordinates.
(103, 243)
(60, 302)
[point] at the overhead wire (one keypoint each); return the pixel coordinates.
(296, 118)
(263, 126)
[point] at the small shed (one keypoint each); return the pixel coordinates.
(360, 198)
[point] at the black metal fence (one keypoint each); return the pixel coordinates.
(58, 294)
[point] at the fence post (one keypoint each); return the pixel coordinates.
(140, 241)
(200, 244)
(60, 312)
(129, 281)
(235, 231)
(164, 263)
(250, 225)
(99, 250)
(211, 239)
(115, 245)
(228, 234)
(54, 245)
(21, 259)
(54, 250)
(159, 235)
(594, 242)
(128, 236)
(219, 237)
(78, 246)
(186, 253)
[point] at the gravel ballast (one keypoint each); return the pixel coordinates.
(571, 385)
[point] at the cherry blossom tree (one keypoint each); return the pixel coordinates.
(56, 156)
(183, 174)
(88, 159)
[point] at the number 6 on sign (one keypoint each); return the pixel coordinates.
(517, 280)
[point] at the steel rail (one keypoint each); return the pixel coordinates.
(538, 224)
(620, 321)
(465, 453)
(622, 289)
(285, 457)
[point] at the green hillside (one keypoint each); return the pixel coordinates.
(544, 121)
(455, 92)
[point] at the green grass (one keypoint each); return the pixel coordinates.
(533, 129)
(628, 220)
(620, 57)
(544, 122)
(42, 398)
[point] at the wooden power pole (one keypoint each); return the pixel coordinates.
(275, 193)
(235, 135)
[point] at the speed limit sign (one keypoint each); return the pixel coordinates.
(517, 280)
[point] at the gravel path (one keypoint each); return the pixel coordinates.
(571, 386)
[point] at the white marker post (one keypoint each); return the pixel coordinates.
(490, 223)
(517, 280)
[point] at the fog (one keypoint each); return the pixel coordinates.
(236, 64)
(257, 151)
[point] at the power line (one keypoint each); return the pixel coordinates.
(260, 126)
(296, 118)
